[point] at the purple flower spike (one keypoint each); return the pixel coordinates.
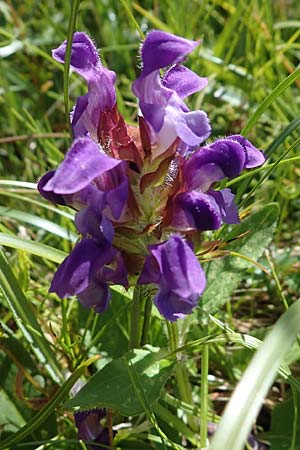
(101, 91)
(161, 99)
(90, 428)
(174, 267)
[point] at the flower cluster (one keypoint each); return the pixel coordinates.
(142, 193)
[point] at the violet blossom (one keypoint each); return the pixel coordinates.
(90, 428)
(101, 92)
(199, 207)
(161, 99)
(142, 193)
(173, 266)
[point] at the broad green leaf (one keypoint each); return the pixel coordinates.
(280, 434)
(112, 386)
(10, 418)
(110, 334)
(248, 396)
(224, 275)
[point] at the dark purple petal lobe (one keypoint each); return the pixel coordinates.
(196, 211)
(225, 200)
(174, 307)
(229, 155)
(77, 270)
(48, 195)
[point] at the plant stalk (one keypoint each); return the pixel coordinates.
(204, 393)
(71, 29)
(181, 375)
(147, 319)
(135, 319)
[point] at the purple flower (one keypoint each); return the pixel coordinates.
(91, 429)
(101, 92)
(199, 207)
(173, 266)
(85, 273)
(161, 99)
(88, 177)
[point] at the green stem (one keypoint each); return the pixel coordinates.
(135, 335)
(204, 393)
(181, 375)
(177, 423)
(132, 18)
(147, 319)
(71, 29)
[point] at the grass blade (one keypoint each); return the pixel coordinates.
(280, 88)
(255, 383)
(38, 222)
(35, 248)
(26, 319)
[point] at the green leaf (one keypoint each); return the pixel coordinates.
(281, 431)
(10, 418)
(248, 397)
(224, 275)
(112, 386)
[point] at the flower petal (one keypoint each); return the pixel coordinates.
(101, 91)
(196, 211)
(84, 56)
(178, 266)
(225, 200)
(48, 195)
(192, 127)
(183, 81)
(229, 155)
(174, 307)
(161, 49)
(97, 226)
(78, 126)
(254, 157)
(77, 270)
(82, 163)
(97, 295)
